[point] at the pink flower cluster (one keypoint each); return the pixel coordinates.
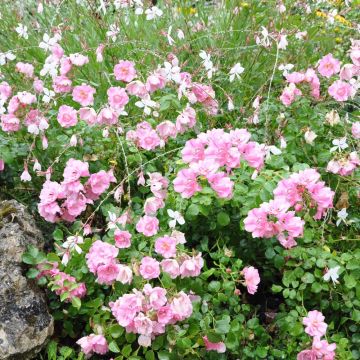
(74, 195)
(303, 190)
(60, 281)
(210, 152)
(145, 137)
(316, 327)
(344, 164)
(93, 344)
(274, 219)
(101, 261)
(328, 66)
(147, 312)
(148, 224)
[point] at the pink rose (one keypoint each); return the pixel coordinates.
(108, 273)
(122, 238)
(67, 116)
(10, 123)
(166, 246)
(340, 90)
(148, 225)
(252, 279)
(125, 71)
(149, 268)
(328, 66)
(83, 94)
(314, 322)
(171, 267)
(93, 344)
(219, 346)
(117, 97)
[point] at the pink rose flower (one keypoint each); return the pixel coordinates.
(328, 66)
(218, 347)
(166, 246)
(83, 94)
(355, 130)
(149, 268)
(252, 279)
(93, 344)
(117, 97)
(122, 238)
(108, 273)
(340, 90)
(314, 322)
(125, 274)
(125, 71)
(148, 225)
(67, 116)
(307, 355)
(171, 266)
(186, 184)
(10, 123)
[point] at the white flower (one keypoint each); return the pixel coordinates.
(265, 40)
(272, 150)
(331, 16)
(153, 13)
(230, 106)
(332, 274)
(147, 104)
(285, 68)
(48, 42)
(236, 71)
(6, 56)
(180, 34)
(25, 176)
(48, 95)
(207, 63)
(342, 215)
(50, 67)
(310, 136)
(300, 35)
(113, 32)
(283, 43)
(176, 218)
(22, 31)
(172, 72)
(340, 144)
(37, 165)
(72, 242)
(170, 40)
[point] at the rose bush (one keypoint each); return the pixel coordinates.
(195, 168)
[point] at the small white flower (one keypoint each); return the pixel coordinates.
(236, 71)
(22, 31)
(180, 34)
(310, 136)
(265, 40)
(272, 150)
(48, 95)
(6, 56)
(342, 215)
(72, 242)
(172, 72)
(48, 42)
(170, 40)
(25, 176)
(340, 144)
(176, 218)
(153, 13)
(50, 67)
(230, 106)
(207, 63)
(113, 32)
(147, 104)
(285, 68)
(300, 35)
(283, 43)
(332, 274)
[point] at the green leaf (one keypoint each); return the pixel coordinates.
(126, 350)
(223, 218)
(192, 211)
(113, 347)
(76, 302)
(350, 281)
(308, 278)
(150, 355)
(223, 326)
(116, 331)
(58, 235)
(214, 286)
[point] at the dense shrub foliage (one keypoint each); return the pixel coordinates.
(194, 166)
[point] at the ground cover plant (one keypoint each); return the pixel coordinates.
(194, 167)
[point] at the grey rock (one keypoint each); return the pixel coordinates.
(25, 323)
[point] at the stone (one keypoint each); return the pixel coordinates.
(25, 322)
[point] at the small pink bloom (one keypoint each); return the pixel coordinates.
(147, 225)
(218, 347)
(88, 115)
(62, 84)
(149, 268)
(78, 59)
(83, 94)
(137, 88)
(166, 246)
(328, 66)
(355, 130)
(117, 97)
(252, 279)
(340, 90)
(25, 68)
(314, 322)
(171, 267)
(186, 184)
(152, 205)
(108, 273)
(67, 116)
(93, 344)
(122, 238)
(307, 355)
(107, 116)
(10, 123)
(125, 274)
(125, 71)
